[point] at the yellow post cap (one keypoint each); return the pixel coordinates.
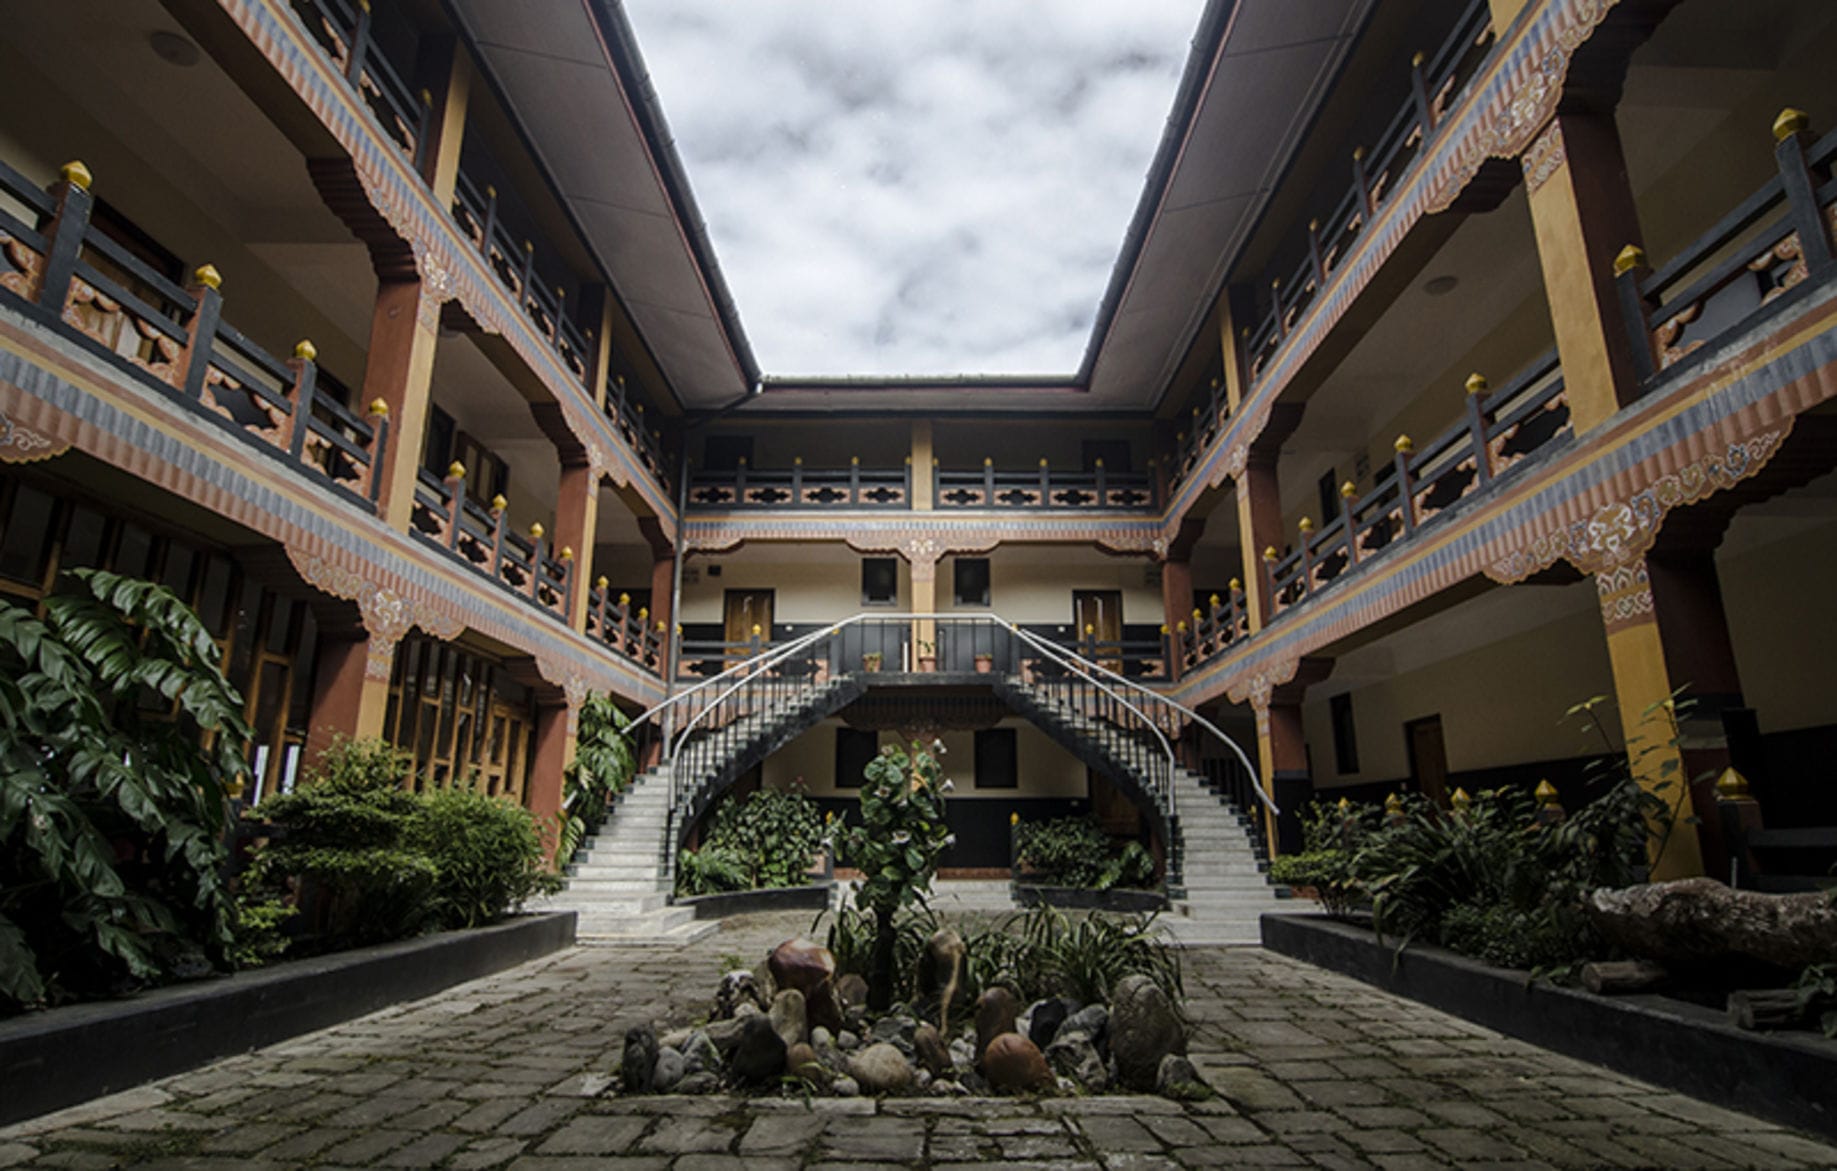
(1394, 802)
(1306, 525)
(1404, 445)
(1349, 489)
(379, 408)
(1732, 786)
(1789, 123)
(567, 553)
(602, 582)
(1546, 792)
(1630, 258)
(456, 471)
(305, 350)
(1014, 819)
(1234, 585)
(624, 599)
(536, 530)
(498, 503)
(76, 174)
(207, 276)
(1476, 383)
(1460, 800)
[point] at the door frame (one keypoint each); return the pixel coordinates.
(1409, 745)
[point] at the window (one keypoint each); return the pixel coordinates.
(971, 578)
(437, 445)
(855, 750)
(879, 581)
(1329, 497)
(996, 764)
(1345, 740)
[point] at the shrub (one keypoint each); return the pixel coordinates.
(343, 838)
(487, 852)
(1074, 851)
(602, 768)
(711, 870)
(772, 835)
(119, 740)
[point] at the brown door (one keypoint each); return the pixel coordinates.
(747, 611)
(1428, 758)
(1099, 615)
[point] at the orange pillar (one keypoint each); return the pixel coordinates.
(400, 374)
(350, 691)
(577, 511)
(556, 724)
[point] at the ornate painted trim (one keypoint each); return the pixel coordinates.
(387, 615)
(1626, 595)
(1259, 688)
(919, 535)
(20, 444)
(1545, 157)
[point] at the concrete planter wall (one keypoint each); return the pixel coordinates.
(1080, 899)
(1790, 1077)
(746, 902)
(53, 1059)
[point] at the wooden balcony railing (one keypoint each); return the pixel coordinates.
(1436, 83)
(342, 29)
(801, 487)
(1207, 422)
(1502, 430)
(478, 536)
(89, 287)
(627, 631)
(1043, 489)
(1775, 239)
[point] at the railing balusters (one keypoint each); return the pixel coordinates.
(64, 235)
(1476, 429)
(1406, 490)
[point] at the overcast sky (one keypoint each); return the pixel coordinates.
(916, 186)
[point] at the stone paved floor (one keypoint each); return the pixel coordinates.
(1314, 1070)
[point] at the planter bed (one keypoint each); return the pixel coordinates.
(746, 902)
(1080, 899)
(57, 1058)
(1789, 1077)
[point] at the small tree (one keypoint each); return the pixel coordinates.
(603, 766)
(896, 847)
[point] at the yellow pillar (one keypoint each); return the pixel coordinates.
(399, 375)
(1506, 11)
(1231, 336)
(1583, 214)
(924, 601)
(448, 126)
(923, 460)
(577, 510)
(1642, 687)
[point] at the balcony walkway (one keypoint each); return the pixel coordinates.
(1314, 1070)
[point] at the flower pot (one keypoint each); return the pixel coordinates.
(927, 663)
(870, 662)
(985, 664)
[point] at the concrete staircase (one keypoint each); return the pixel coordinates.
(619, 883)
(1226, 887)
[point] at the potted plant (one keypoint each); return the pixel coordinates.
(927, 656)
(871, 661)
(985, 662)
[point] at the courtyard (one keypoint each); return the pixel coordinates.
(516, 1070)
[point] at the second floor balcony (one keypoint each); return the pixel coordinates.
(1042, 488)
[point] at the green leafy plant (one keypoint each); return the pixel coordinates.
(603, 767)
(1817, 989)
(259, 932)
(1075, 852)
(119, 741)
(488, 854)
(711, 870)
(769, 834)
(896, 847)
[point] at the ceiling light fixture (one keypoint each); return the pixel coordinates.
(1441, 285)
(173, 49)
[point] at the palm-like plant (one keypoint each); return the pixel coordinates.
(603, 766)
(119, 742)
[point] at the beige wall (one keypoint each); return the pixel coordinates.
(1777, 596)
(1046, 770)
(1033, 584)
(813, 582)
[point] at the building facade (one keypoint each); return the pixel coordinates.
(1465, 361)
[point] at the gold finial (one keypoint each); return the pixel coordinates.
(1546, 792)
(1393, 804)
(1460, 801)
(1100, 461)
(490, 191)
(1275, 282)
(498, 503)
(1198, 617)
(678, 627)
(567, 553)
(427, 97)
(987, 462)
(456, 471)
(76, 174)
(644, 612)
(1349, 489)
(536, 530)
(1404, 445)
(305, 351)
(1358, 154)
(1164, 629)
(1732, 786)
(1630, 258)
(1235, 585)
(797, 461)
(529, 246)
(207, 276)
(1477, 384)
(1214, 601)
(1269, 554)
(1789, 123)
(660, 627)
(1345, 806)
(1090, 629)
(379, 408)
(1042, 461)
(1416, 59)
(1306, 525)
(624, 599)
(755, 630)
(1313, 225)
(602, 582)
(854, 461)
(1180, 626)
(1014, 819)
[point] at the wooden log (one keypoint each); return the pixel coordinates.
(1768, 1008)
(1609, 977)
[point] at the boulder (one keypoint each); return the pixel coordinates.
(737, 987)
(996, 1010)
(897, 1030)
(821, 1038)
(1700, 920)
(670, 1069)
(1177, 1079)
(700, 1054)
(932, 1054)
(845, 1087)
(802, 1062)
(846, 1040)
(1092, 1022)
(1075, 1057)
(1013, 1064)
(723, 1035)
(638, 1069)
(1144, 1028)
(759, 1057)
(880, 1069)
(852, 988)
(1044, 1018)
(699, 1083)
(940, 971)
(810, 969)
(787, 1016)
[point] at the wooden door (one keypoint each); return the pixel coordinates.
(746, 610)
(1099, 617)
(1428, 758)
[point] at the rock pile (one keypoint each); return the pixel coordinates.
(795, 1020)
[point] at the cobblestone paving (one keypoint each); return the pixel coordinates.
(1314, 1071)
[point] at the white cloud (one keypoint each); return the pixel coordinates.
(916, 186)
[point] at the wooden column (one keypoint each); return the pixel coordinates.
(350, 691)
(1666, 630)
(577, 512)
(1506, 11)
(1583, 213)
(556, 725)
(1282, 752)
(1259, 525)
(1234, 318)
(663, 584)
(400, 373)
(447, 72)
(923, 456)
(924, 600)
